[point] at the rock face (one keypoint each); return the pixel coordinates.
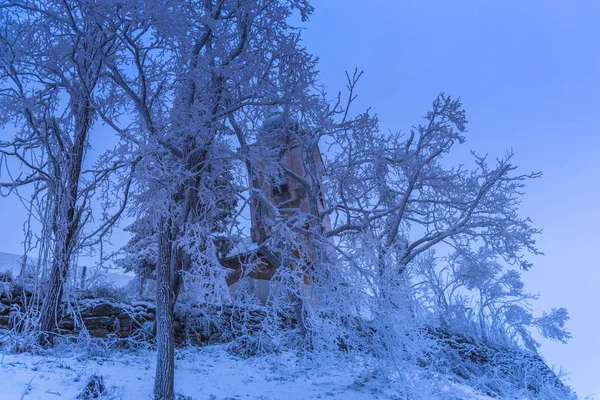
(495, 366)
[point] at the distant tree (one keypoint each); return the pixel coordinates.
(140, 253)
(474, 292)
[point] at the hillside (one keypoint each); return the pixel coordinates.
(223, 353)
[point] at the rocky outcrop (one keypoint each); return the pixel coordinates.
(495, 367)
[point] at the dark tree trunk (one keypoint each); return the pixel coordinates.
(50, 307)
(49, 312)
(65, 195)
(165, 336)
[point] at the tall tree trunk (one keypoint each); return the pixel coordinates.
(50, 307)
(49, 312)
(165, 335)
(66, 218)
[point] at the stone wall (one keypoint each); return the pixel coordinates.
(103, 318)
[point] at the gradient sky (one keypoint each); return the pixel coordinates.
(528, 73)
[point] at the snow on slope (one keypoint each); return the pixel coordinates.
(201, 373)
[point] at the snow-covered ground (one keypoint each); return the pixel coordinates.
(201, 373)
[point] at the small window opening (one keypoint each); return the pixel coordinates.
(322, 199)
(279, 189)
(279, 184)
(320, 195)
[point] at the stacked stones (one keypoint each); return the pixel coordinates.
(104, 318)
(12, 300)
(101, 317)
(4, 306)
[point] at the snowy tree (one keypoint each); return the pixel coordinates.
(203, 74)
(398, 191)
(394, 198)
(206, 97)
(473, 291)
(51, 91)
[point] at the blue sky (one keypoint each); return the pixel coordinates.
(528, 73)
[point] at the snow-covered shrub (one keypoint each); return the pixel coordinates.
(93, 347)
(22, 337)
(181, 396)
(106, 291)
(5, 289)
(95, 388)
(22, 317)
(5, 276)
(252, 345)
